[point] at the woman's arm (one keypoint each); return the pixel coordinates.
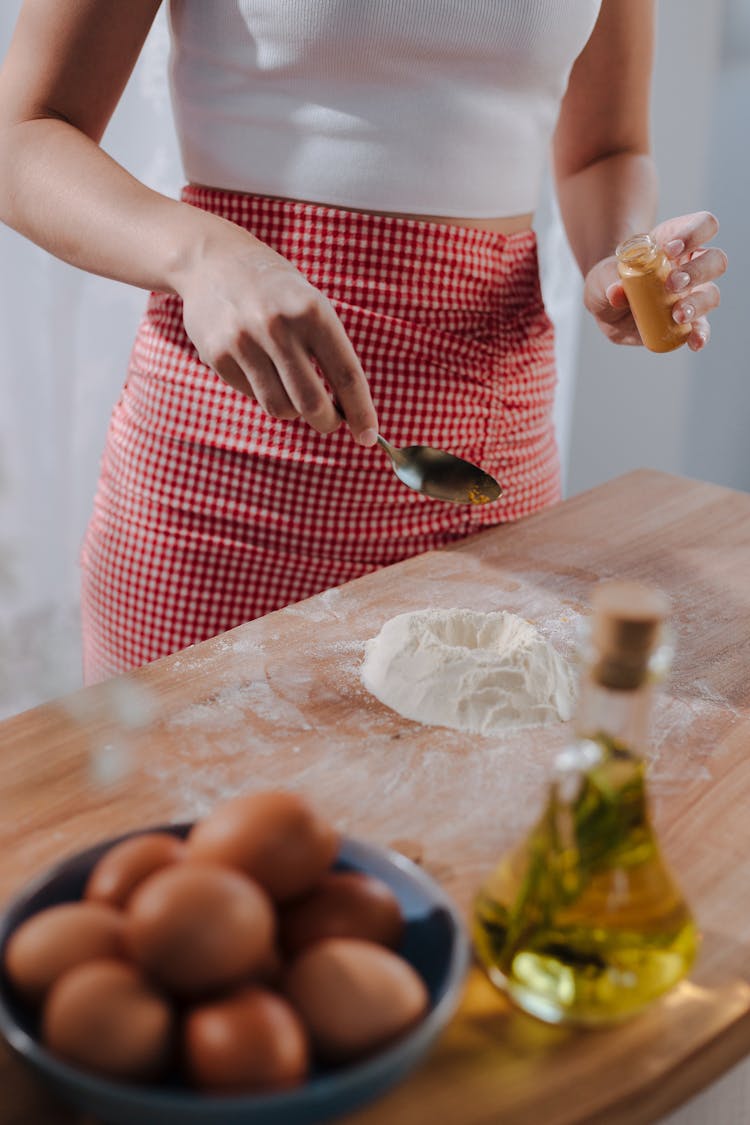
(606, 179)
(250, 314)
(61, 80)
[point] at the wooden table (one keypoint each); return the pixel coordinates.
(279, 702)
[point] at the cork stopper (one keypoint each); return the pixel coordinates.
(625, 630)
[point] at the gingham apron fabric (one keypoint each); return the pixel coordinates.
(209, 513)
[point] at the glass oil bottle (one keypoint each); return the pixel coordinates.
(643, 268)
(583, 923)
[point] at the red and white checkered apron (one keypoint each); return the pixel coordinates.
(209, 513)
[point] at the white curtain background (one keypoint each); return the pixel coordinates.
(685, 413)
(64, 342)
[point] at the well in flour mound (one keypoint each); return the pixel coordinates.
(480, 672)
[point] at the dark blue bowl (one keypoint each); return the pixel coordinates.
(435, 943)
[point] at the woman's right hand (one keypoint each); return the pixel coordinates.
(257, 322)
(250, 314)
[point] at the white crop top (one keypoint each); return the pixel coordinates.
(435, 107)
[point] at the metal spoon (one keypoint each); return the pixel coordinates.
(441, 475)
(437, 474)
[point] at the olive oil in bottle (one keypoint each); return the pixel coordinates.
(583, 923)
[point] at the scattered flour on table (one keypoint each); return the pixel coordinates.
(479, 672)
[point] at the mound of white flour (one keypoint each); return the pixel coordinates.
(479, 672)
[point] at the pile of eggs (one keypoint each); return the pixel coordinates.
(235, 957)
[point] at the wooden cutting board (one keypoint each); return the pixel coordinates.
(279, 702)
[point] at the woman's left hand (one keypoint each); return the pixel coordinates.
(693, 275)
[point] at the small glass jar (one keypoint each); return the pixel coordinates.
(643, 268)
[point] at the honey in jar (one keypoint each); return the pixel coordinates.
(643, 267)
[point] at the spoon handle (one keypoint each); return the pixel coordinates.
(394, 454)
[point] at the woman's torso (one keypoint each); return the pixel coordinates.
(430, 108)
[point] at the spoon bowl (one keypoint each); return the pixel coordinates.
(441, 475)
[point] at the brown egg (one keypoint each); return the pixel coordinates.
(124, 866)
(197, 927)
(252, 1040)
(105, 1017)
(354, 996)
(55, 940)
(344, 904)
(275, 837)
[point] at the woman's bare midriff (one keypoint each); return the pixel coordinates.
(503, 224)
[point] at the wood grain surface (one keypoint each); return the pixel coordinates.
(279, 702)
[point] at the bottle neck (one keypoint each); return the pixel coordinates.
(622, 716)
(598, 807)
(639, 253)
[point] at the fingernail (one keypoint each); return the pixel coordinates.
(368, 438)
(675, 247)
(683, 313)
(679, 280)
